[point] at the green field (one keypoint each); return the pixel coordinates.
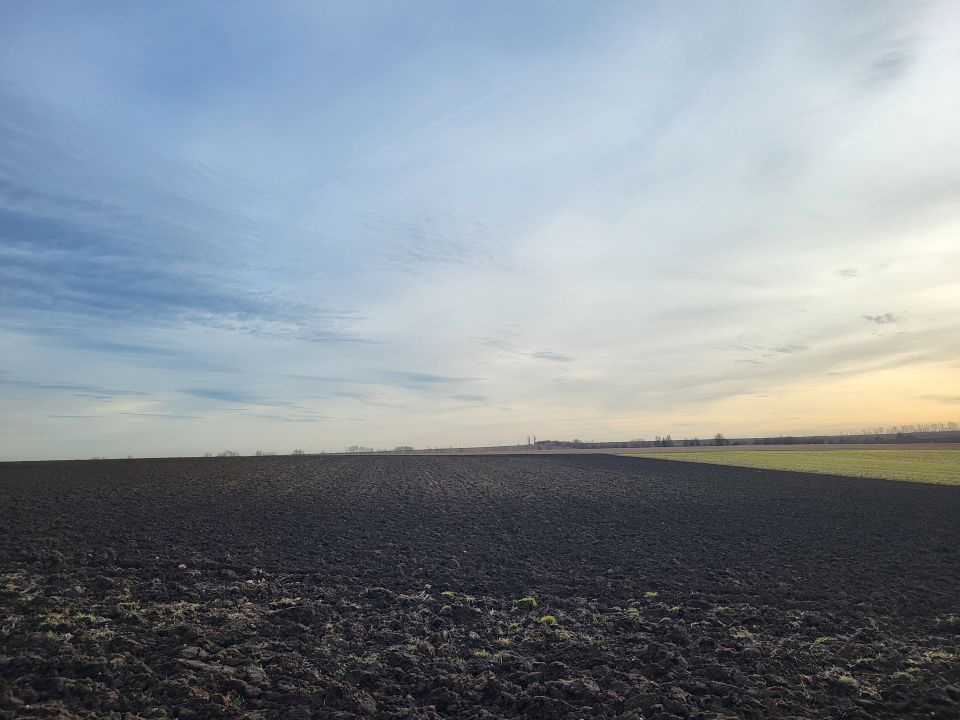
(926, 466)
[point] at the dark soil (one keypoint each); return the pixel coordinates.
(341, 587)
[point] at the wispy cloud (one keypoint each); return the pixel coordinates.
(509, 344)
(144, 255)
(432, 242)
(945, 399)
(554, 356)
(219, 394)
(885, 319)
(440, 121)
(161, 416)
(289, 418)
(79, 389)
(420, 379)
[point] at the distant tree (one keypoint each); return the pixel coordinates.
(298, 451)
(720, 439)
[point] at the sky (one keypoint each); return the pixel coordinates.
(285, 225)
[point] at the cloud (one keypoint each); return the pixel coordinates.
(223, 395)
(396, 378)
(421, 380)
(554, 356)
(887, 66)
(445, 118)
(436, 242)
(161, 416)
(885, 319)
(122, 348)
(93, 240)
(78, 389)
(945, 399)
(289, 418)
(507, 342)
(470, 398)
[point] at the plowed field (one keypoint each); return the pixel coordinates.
(393, 587)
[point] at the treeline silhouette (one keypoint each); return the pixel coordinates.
(920, 433)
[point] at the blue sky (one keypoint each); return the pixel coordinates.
(279, 225)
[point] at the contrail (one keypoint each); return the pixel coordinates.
(438, 122)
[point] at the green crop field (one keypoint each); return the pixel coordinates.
(927, 466)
